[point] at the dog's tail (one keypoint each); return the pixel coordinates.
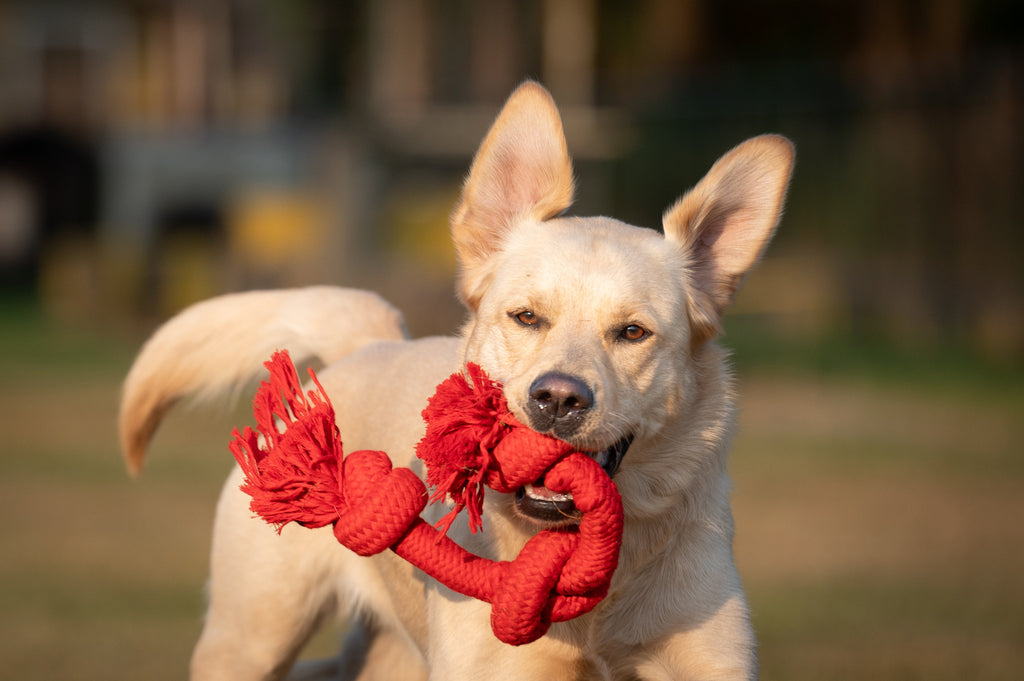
(219, 345)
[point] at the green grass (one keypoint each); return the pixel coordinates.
(37, 347)
(870, 629)
(948, 368)
(878, 497)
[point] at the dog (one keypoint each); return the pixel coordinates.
(602, 334)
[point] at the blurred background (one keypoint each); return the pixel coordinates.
(155, 153)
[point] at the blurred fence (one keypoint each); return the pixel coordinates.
(146, 147)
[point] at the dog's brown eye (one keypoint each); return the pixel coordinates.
(633, 332)
(526, 318)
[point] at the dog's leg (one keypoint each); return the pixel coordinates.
(387, 657)
(463, 647)
(370, 653)
(347, 664)
(721, 648)
(268, 593)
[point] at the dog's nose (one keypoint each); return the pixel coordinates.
(559, 401)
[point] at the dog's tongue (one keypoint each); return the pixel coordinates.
(539, 491)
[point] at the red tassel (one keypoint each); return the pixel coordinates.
(464, 424)
(292, 474)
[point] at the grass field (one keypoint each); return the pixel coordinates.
(879, 504)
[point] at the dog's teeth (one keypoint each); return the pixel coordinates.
(544, 494)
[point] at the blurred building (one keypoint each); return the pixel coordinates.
(223, 144)
(154, 152)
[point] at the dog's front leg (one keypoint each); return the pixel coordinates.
(370, 653)
(462, 646)
(720, 648)
(268, 593)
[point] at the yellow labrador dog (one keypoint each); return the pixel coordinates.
(602, 334)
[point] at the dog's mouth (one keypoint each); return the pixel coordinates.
(538, 503)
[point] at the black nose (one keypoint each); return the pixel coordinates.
(560, 402)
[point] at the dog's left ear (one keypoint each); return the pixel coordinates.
(726, 221)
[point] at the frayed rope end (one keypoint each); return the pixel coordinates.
(291, 462)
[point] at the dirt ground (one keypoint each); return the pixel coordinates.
(878, 526)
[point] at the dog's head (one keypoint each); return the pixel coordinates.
(592, 325)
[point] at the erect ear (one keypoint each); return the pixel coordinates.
(522, 171)
(725, 222)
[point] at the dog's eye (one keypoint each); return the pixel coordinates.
(527, 318)
(633, 332)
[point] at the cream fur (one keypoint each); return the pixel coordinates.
(676, 608)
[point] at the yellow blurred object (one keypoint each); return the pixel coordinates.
(417, 220)
(276, 229)
(189, 272)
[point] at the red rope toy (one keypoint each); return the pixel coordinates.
(298, 474)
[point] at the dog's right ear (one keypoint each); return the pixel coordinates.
(522, 171)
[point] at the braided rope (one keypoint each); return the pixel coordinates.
(295, 472)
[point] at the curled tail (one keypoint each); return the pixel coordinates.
(220, 344)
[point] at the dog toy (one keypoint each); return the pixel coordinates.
(295, 471)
